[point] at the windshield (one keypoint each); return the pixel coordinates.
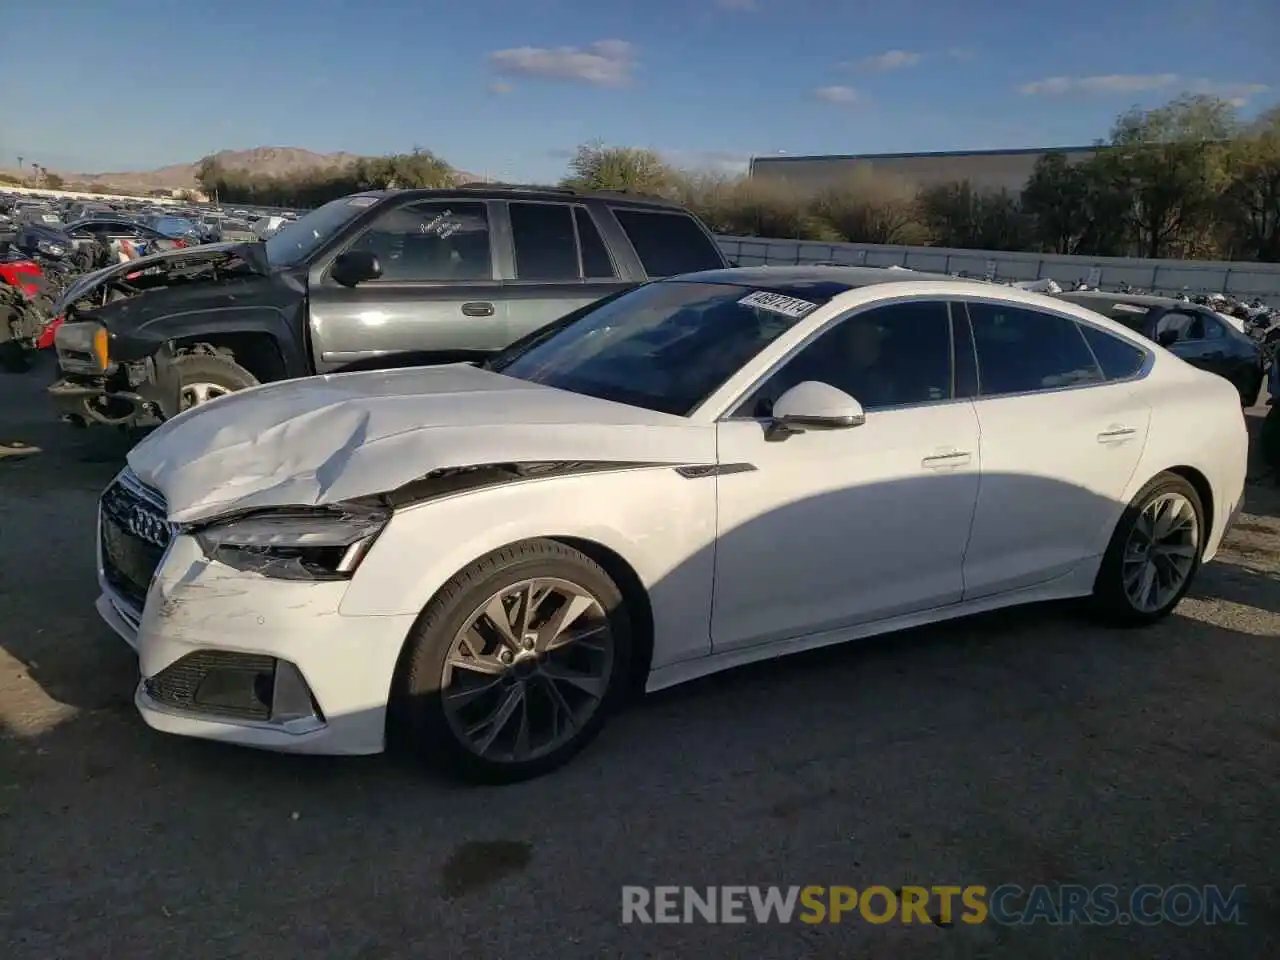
(298, 238)
(664, 346)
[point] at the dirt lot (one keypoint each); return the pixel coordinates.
(1022, 748)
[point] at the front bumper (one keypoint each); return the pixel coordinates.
(243, 659)
(132, 393)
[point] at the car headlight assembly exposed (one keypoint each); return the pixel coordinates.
(295, 543)
(50, 249)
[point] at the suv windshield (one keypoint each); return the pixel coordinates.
(665, 346)
(296, 239)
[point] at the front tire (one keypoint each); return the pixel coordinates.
(1154, 554)
(516, 664)
(204, 377)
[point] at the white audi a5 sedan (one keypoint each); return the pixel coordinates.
(702, 472)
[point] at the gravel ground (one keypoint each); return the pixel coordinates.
(1025, 747)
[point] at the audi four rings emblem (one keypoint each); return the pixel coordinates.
(145, 525)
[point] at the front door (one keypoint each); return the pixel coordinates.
(827, 529)
(438, 290)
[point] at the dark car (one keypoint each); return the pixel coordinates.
(1194, 332)
(136, 239)
(461, 273)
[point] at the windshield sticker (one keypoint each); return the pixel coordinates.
(362, 201)
(777, 303)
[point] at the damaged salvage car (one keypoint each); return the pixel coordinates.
(702, 472)
(361, 281)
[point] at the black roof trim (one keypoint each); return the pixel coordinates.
(524, 191)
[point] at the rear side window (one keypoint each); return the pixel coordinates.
(669, 243)
(1021, 350)
(544, 239)
(1119, 360)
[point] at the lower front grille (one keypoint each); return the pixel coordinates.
(217, 682)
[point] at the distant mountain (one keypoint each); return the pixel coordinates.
(264, 161)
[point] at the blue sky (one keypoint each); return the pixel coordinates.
(506, 89)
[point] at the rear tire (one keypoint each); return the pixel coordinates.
(441, 705)
(1134, 558)
(204, 377)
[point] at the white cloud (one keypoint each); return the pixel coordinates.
(606, 63)
(836, 94)
(1236, 94)
(724, 161)
(1110, 83)
(890, 60)
(500, 87)
(745, 5)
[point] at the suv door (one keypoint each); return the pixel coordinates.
(438, 290)
(832, 528)
(560, 262)
(1063, 428)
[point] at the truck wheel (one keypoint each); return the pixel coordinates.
(205, 377)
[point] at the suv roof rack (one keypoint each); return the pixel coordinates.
(566, 191)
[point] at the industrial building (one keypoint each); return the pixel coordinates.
(985, 169)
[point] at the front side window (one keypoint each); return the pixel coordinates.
(436, 240)
(887, 356)
(664, 346)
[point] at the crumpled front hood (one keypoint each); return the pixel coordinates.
(322, 440)
(253, 255)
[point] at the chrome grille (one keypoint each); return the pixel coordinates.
(134, 531)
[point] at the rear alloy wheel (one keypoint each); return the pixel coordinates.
(204, 377)
(1153, 555)
(516, 664)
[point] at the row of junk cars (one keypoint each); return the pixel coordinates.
(47, 242)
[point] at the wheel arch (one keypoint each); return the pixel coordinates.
(257, 351)
(638, 603)
(1204, 490)
(619, 570)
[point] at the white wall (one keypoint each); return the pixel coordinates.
(1237, 278)
(80, 195)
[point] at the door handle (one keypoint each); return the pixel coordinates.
(477, 308)
(940, 461)
(1116, 433)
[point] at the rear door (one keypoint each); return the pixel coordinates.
(558, 263)
(439, 288)
(1063, 425)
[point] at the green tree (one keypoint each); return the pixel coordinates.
(1168, 165)
(1251, 200)
(595, 166)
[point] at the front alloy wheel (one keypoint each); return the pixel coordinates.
(516, 663)
(528, 669)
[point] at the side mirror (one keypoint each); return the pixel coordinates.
(813, 405)
(354, 267)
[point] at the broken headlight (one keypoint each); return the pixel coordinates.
(294, 544)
